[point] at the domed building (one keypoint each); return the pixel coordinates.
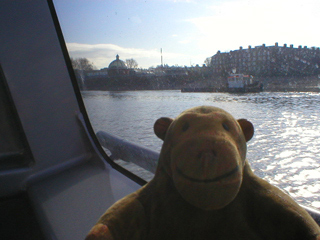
(118, 67)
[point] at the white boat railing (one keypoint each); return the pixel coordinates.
(128, 151)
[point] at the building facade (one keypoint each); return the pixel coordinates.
(268, 61)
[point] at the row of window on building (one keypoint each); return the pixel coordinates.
(268, 60)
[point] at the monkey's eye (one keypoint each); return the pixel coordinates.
(185, 127)
(225, 126)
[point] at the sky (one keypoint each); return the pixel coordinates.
(187, 31)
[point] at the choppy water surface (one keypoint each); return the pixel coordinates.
(285, 149)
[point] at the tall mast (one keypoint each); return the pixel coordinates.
(161, 57)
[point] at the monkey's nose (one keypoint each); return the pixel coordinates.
(207, 155)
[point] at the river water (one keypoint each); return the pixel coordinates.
(284, 151)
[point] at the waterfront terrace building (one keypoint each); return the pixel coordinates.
(268, 61)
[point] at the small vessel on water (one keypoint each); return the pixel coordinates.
(238, 82)
(234, 83)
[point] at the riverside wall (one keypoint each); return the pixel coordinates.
(206, 83)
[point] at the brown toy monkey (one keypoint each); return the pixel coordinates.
(204, 188)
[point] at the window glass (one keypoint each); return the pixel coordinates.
(137, 61)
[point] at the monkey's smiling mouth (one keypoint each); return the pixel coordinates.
(208, 180)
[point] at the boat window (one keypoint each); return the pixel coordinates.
(14, 150)
(137, 61)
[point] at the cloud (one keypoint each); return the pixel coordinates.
(242, 23)
(186, 41)
(102, 54)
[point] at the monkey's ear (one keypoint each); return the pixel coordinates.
(161, 126)
(247, 128)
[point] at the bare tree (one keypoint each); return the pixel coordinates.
(207, 62)
(82, 64)
(131, 63)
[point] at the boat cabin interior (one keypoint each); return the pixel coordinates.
(55, 178)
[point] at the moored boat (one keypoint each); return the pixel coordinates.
(243, 83)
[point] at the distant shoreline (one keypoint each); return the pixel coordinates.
(138, 83)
